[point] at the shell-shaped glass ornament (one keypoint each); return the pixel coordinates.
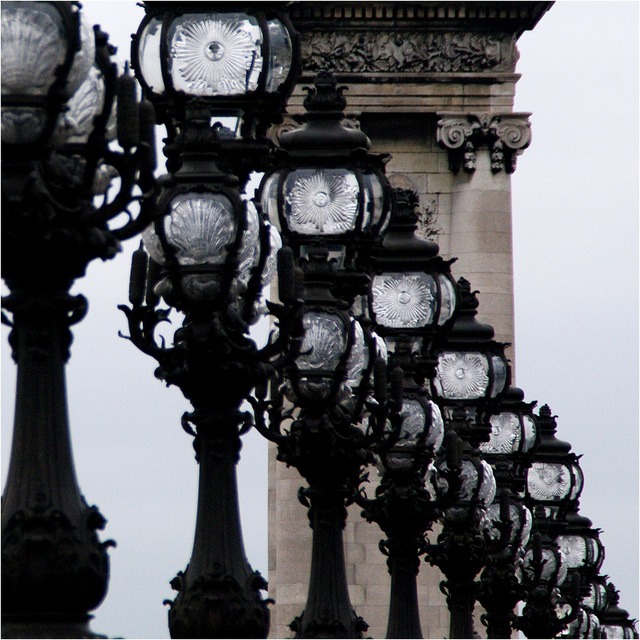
(404, 300)
(548, 481)
(215, 54)
(271, 264)
(321, 201)
(324, 342)
(33, 47)
(76, 124)
(358, 358)
(436, 431)
(22, 125)
(200, 227)
(462, 375)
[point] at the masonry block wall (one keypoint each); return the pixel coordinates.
(433, 84)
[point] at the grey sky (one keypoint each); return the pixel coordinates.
(575, 221)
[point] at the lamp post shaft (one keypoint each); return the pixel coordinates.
(404, 613)
(219, 593)
(328, 612)
(54, 568)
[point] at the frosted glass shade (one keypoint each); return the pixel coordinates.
(324, 201)
(553, 570)
(510, 433)
(34, 46)
(469, 375)
(215, 54)
(554, 481)
(404, 300)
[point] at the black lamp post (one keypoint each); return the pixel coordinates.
(509, 450)
(412, 297)
(210, 256)
(614, 621)
(331, 200)
(471, 376)
(58, 90)
(554, 483)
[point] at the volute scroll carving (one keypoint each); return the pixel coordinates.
(505, 135)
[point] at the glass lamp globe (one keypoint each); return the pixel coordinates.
(325, 184)
(511, 432)
(551, 482)
(521, 520)
(546, 560)
(581, 550)
(469, 375)
(48, 49)
(213, 244)
(422, 426)
(333, 358)
(239, 61)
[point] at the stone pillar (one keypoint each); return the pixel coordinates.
(482, 151)
(409, 65)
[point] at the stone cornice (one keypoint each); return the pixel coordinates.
(504, 134)
(508, 17)
(384, 41)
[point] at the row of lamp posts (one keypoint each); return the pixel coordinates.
(376, 356)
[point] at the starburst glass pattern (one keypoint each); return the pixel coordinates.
(520, 516)
(573, 550)
(324, 342)
(270, 267)
(321, 201)
(505, 434)
(462, 376)
(201, 226)
(548, 481)
(499, 375)
(218, 54)
(403, 300)
(487, 492)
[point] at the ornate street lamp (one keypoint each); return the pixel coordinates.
(412, 297)
(471, 367)
(542, 572)
(209, 255)
(614, 621)
(464, 543)
(509, 450)
(58, 89)
(326, 186)
(407, 502)
(554, 483)
(235, 64)
(331, 199)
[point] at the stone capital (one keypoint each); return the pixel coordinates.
(506, 135)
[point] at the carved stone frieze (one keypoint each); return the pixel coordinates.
(395, 51)
(505, 135)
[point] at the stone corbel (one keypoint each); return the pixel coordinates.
(505, 135)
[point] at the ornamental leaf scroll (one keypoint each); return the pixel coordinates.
(506, 136)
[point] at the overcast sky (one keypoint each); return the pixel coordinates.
(575, 220)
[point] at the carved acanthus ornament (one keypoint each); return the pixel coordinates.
(505, 135)
(356, 51)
